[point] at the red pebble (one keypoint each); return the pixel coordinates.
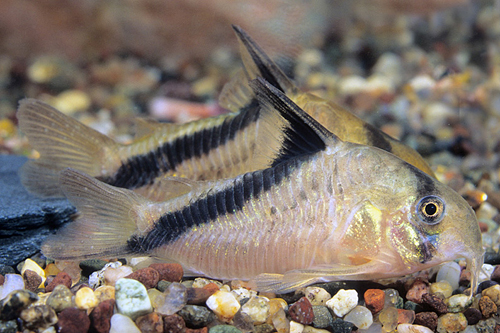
(101, 316)
(406, 316)
(72, 320)
(302, 311)
(31, 280)
(2, 279)
(149, 277)
(174, 324)
(169, 272)
(374, 299)
(435, 303)
(198, 295)
(150, 323)
(417, 289)
(495, 276)
(61, 278)
(212, 287)
(427, 319)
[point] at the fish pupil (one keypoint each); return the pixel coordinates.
(430, 209)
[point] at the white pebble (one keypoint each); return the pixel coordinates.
(257, 308)
(310, 329)
(317, 295)
(296, 327)
(223, 304)
(343, 302)
(12, 282)
(280, 322)
(450, 272)
(241, 293)
(132, 298)
(352, 85)
(486, 272)
(410, 328)
(360, 316)
(374, 328)
(121, 323)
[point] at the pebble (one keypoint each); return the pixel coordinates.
(450, 272)
(487, 306)
(257, 308)
(71, 101)
(243, 322)
(264, 328)
(374, 300)
(33, 266)
(342, 326)
(493, 293)
(225, 329)
(392, 298)
(243, 293)
(410, 328)
(198, 295)
(202, 282)
(90, 266)
(223, 304)
(473, 316)
(132, 298)
(104, 293)
(486, 326)
(85, 299)
(296, 327)
(97, 279)
(38, 317)
(405, 316)
(148, 276)
(196, 316)
(8, 326)
(31, 280)
(443, 287)
(112, 275)
(317, 295)
(61, 278)
(175, 298)
(51, 269)
(150, 323)
(360, 316)
(388, 317)
(72, 320)
(343, 302)
(322, 317)
(301, 311)
(12, 282)
(451, 322)
(495, 276)
(15, 302)
(416, 290)
(173, 324)
(435, 303)
(100, 317)
(280, 321)
(458, 303)
(61, 298)
(485, 273)
(485, 285)
(121, 323)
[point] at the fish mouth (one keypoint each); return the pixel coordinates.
(426, 251)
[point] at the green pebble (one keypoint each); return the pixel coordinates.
(409, 305)
(264, 328)
(8, 326)
(196, 316)
(342, 326)
(60, 298)
(322, 317)
(132, 298)
(163, 285)
(224, 329)
(399, 303)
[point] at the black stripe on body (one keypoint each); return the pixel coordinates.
(214, 204)
(143, 169)
(425, 184)
(377, 138)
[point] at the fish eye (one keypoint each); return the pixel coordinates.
(430, 209)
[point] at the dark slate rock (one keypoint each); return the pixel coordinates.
(25, 219)
(491, 257)
(90, 266)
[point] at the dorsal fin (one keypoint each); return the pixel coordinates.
(145, 126)
(302, 133)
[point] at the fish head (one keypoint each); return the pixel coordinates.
(421, 221)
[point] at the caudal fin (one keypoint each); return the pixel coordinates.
(62, 142)
(108, 217)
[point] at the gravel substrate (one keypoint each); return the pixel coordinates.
(433, 82)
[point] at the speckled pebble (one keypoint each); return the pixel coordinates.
(342, 326)
(150, 323)
(451, 322)
(132, 298)
(410, 328)
(31, 280)
(85, 299)
(38, 317)
(223, 304)
(322, 317)
(264, 328)
(15, 302)
(343, 302)
(360, 316)
(435, 303)
(472, 315)
(301, 311)
(173, 324)
(61, 298)
(149, 277)
(428, 319)
(33, 266)
(374, 300)
(72, 320)
(493, 293)
(100, 317)
(196, 316)
(8, 326)
(121, 323)
(224, 329)
(257, 308)
(416, 290)
(317, 295)
(61, 278)
(450, 272)
(487, 306)
(458, 303)
(486, 326)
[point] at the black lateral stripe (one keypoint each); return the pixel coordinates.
(425, 184)
(378, 138)
(214, 204)
(143, 169)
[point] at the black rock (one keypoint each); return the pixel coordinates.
(342, 326)
(485, 285)
(491, 257)
(473, 316)
(196, 316)
(25, 219)
(90, 266)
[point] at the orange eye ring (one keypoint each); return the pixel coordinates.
(430, 209)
